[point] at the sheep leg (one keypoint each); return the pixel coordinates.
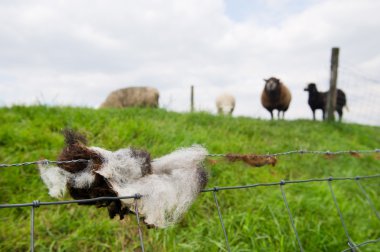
(340, 113)
(278, 114)
(271, 114)
(313, 115)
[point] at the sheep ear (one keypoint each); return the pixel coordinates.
(266, 80)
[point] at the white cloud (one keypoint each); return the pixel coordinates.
(72, 52)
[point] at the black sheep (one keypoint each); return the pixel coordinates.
(318, 100)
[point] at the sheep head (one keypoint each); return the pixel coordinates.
(272, 84)
(311, 87)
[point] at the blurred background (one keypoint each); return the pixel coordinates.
(76, 53)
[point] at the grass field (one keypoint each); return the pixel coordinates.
(256, 219)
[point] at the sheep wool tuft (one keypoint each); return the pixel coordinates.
(55, 179)
(168, 185)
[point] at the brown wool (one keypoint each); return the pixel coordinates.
(252, 159)
(355, 154)
(75, 149)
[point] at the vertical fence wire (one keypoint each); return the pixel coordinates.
(370, 202)
(350, 242)
(290, 215)
(137, 196)
(221, 219)
(32, 229)
(35, 204)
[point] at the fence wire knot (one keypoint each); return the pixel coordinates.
(282, 182)
(138, 196)
(44, 162)
(352, 246)
(36, 203)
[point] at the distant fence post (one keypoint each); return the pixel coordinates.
(331, 98)
(192, 99)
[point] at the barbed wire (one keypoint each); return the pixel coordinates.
(340, 152)
(317, 152)
(44, 162)
(352, 245)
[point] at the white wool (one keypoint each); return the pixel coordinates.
(183, 158)
(170, 190)
(54, 178)
(120, 167)
(82, 179)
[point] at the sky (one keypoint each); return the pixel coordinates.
(77, 52)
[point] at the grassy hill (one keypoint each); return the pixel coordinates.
(256, 219)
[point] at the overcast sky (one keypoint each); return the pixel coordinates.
(77, 52)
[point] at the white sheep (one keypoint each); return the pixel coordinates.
(225, 104)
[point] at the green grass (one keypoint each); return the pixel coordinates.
(256, 219)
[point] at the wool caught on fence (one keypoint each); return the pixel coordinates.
(168, 184)
(252, 159)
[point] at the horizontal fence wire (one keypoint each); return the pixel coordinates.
(352, 152)
(44, 162)
(37, 203)
(309, 152)
(351, 244)
(290, 182)
(214, 189)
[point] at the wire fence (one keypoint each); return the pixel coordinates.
(351, 244)
(362, 92)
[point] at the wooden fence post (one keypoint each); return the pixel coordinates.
(192, 99)
(331, 98)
